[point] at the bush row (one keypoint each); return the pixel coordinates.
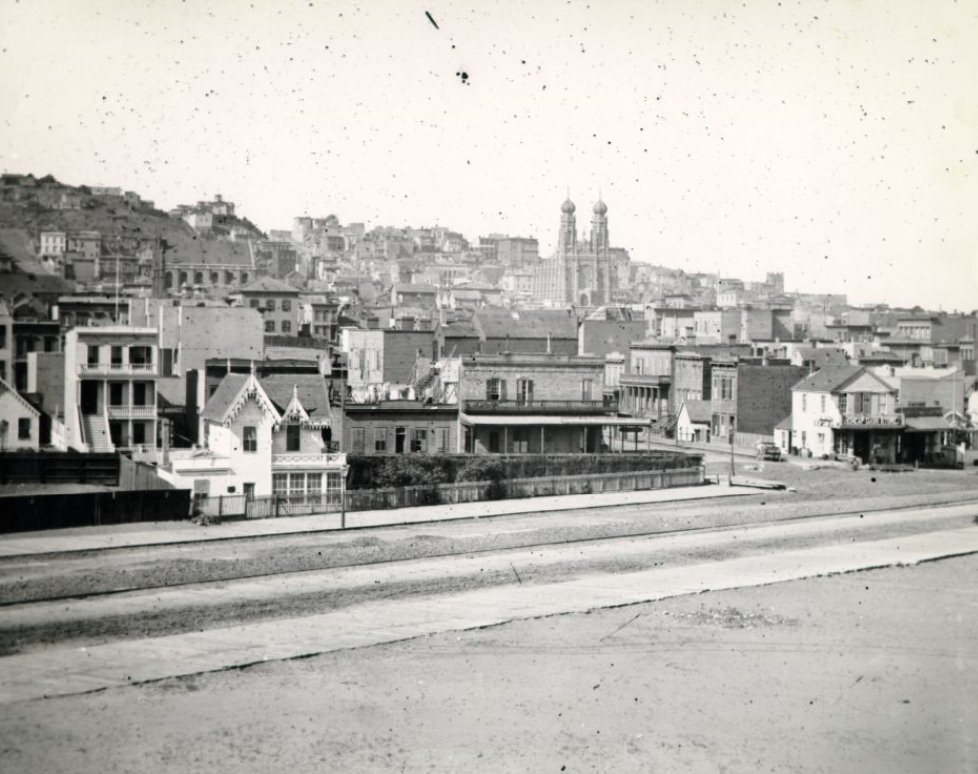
(376, 472)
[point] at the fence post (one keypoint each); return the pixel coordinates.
(276, 504)
(220, 506)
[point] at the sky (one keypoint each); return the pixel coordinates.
(834, 141)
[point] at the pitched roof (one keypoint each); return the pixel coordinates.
(526, 324)
(218, 404)
(699, 411)
(834, 378)
(311, 389)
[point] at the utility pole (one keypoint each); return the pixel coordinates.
(732, 431)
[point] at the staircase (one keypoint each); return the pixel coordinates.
(96, 433)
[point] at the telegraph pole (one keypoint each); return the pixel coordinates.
(732, 431)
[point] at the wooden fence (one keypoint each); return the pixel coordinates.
(24, 513)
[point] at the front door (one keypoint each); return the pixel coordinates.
(89, 397)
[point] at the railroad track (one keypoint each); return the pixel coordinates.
(518, 546)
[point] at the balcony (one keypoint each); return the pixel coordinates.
(869, 421)
(540, 407)
(118, 369)
(291, 460)
(132, 412)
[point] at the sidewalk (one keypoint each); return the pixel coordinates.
(162, 533)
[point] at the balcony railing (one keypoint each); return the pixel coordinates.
(870, 420)
(540, 406)
(132, 412)
(117, 368)
(307, 460)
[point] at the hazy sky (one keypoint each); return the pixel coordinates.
(836, 141)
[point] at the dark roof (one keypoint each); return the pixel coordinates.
(313, 394)
(209, 251)
(784, 424)
(699, 411)
(269, 285)
(463, 329)
(526, 324)
(831, 378)
(407, 287)
(217, 405)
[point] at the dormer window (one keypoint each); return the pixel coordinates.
(292, 436)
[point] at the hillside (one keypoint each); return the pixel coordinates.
(40, 204)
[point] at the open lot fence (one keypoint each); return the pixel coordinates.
(270, 507)
(282, 505)
(25, 513)
(474, 491)
(28, 467)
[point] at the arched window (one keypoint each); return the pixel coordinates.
(244, 278)
(168, 280)
(198, 278)
(228, 278)
(215, 278)
(183, 278)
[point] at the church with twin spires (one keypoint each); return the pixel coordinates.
(585, 271)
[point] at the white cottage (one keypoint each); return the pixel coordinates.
(261, 438)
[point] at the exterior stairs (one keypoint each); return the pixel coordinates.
(96, 433)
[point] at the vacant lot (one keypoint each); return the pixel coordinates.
(873, 671)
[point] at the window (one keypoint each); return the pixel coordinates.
(804, 402)
(843, 403)
(254, 303)
(292, 437)
(297, 485)
(115, 393)
(286, 305)
(495, 389)
(380, 440)
(139, 394)
(521, 440)
(400, 433)
(139, 432)
(93, 354)
(314, 483)
(249, 490)
(269, 326)
(50, 343)
(270, 304)
(823, 404)
(286, 326)
(3, 336)
(280, 483)
(250, 439)
(441, 443)
(358, 440)
(419, 440)
(524, 391)
(140, 357)
(586, 386)
(24, 428)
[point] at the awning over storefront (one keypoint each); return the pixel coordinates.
(927, 424)
(549, 419)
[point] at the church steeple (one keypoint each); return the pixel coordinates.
(599, 227)
(567, 236)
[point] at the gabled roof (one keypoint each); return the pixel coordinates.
(699, 411)
(231, 394)
(525, 324)
(834, 378)
(5, 387)
(784, 424)
(308, 391)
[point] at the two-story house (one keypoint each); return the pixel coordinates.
(536, 403)
(278, 304)
(846, 410)
(263, 437)
(110, 395)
